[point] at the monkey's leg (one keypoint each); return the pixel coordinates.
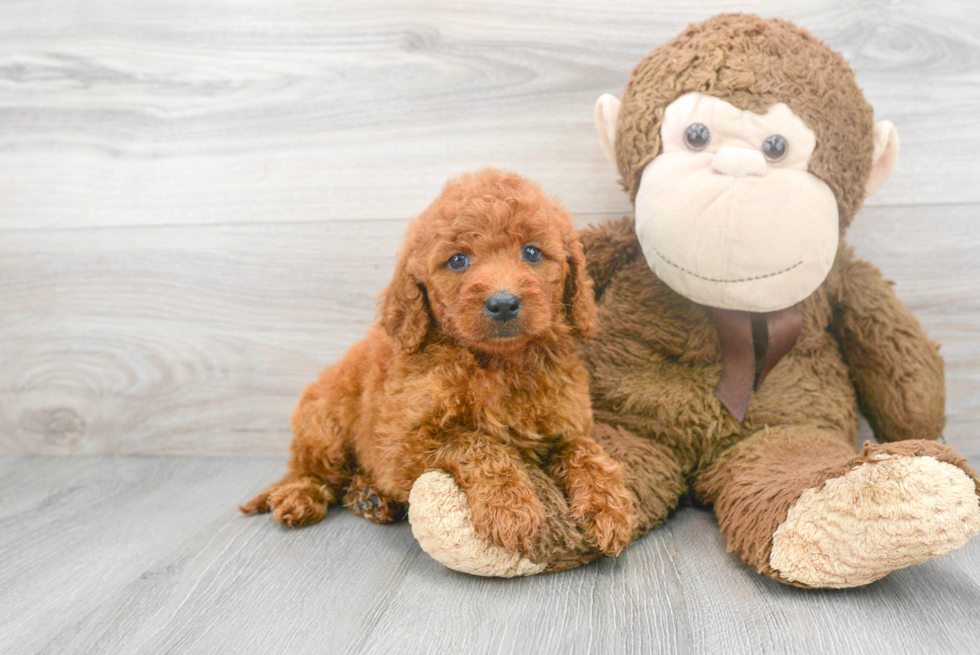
(318, 465)
(364, 499)
(802, 506)
(440, 516)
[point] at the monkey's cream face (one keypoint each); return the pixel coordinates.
(728, 215)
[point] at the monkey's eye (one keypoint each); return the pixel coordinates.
(458, 262)
(531, 254)
(774, 147)
(697, 136)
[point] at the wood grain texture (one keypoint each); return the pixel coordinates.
(148, 555)
(198, 204)
(144, 112)
(252, 172)
(199, 340)
(177, 336)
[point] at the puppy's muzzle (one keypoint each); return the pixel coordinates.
(502, 306)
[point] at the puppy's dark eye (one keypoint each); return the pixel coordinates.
(774, 147)
(458, 262)
(697, 136)
(531, 254)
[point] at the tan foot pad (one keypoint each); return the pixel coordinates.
(440, 516)
(878, 517)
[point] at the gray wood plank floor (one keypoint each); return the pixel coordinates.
(200, 200)
(149, 555)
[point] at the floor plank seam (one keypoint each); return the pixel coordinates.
(406, 565)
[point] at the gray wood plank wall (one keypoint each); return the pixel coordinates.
(200, 200)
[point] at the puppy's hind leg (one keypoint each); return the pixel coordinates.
(318, 468)
(365, 500)
(294, 501)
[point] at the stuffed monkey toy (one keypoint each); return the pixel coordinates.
(739, 335)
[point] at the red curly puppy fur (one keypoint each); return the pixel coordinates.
(472, 367)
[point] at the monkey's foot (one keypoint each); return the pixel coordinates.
(441, 522)
(888, 512)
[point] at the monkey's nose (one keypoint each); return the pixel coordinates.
(502, 306)
(732, 160)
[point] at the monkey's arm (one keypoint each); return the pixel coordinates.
(897, 370)
(608, 246)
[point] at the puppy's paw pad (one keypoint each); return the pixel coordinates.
(369, 504)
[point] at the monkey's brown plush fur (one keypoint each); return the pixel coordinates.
(438, 384)
(656, 357)
(753, 64)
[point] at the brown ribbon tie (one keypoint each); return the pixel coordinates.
(751, 345)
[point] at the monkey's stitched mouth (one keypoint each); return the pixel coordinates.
(711, 279)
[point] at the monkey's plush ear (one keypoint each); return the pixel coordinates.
(579, 296)
(885, 156)
(403, 311)
(606, 118)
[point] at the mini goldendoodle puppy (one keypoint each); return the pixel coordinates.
(472, 367)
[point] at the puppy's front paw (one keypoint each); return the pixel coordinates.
(609, 522)
(599, 499)
(510, 518)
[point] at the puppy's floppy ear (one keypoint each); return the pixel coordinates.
(403, 310)
(579, 296)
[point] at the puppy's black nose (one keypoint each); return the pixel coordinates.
(502, 306)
